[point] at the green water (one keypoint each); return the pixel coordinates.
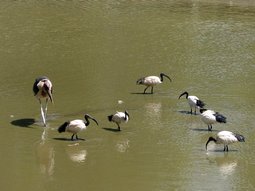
(93, 52)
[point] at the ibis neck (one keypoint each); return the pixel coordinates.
(161, 77)
(209, 140)
(86, 122)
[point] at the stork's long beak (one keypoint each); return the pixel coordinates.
(50, 96)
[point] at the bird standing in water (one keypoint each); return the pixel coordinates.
(118, 118)
(75, 126)
(210, 117)
(151, 81)
(226, 138)
(42, 89)
(194, 102)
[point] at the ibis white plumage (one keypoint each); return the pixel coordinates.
(193, 101)
(210, 117)
(75, 126)
(119, 117)
(42, 89)
(226, 138)
(151, 81)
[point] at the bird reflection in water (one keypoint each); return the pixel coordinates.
(153, 111)
(122, 145)
(76, 153)
(46, 158)
(46, 154)
(227, 165)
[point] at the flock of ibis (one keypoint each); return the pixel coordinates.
(42, 89)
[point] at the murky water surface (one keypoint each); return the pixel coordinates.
(94, 52)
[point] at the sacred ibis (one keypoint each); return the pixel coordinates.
(193, 101)
(42, 89)
(118, 118)
(151, 81)
(225, 138)
(75, 126)
(210, 117)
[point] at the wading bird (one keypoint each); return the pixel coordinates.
(225, 138)
(75, 126)
(151, 81)
(42, 89)
(194, 101)
(118, 118)
(210, 117)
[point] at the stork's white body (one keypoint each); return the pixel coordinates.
(41, 87)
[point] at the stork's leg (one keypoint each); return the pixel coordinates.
(42, 113)
(191, 110)
(72, 137)
(151, 89)
(227, 147)
(145, 89)
(195, 111)
(209, 127)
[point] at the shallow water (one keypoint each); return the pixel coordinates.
(94, 52)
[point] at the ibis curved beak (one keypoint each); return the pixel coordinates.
(95, 120)
(209, 140)
(167, 77)
(164, 75)
(184, 93)
(88, 116)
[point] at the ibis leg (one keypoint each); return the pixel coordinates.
(151, 89)
(145, 89)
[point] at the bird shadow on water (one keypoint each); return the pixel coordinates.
(111, 129)
(68, 139)
(26, 122)
(141, 93)
(222, 151)
(188, 113)
(203, 130)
